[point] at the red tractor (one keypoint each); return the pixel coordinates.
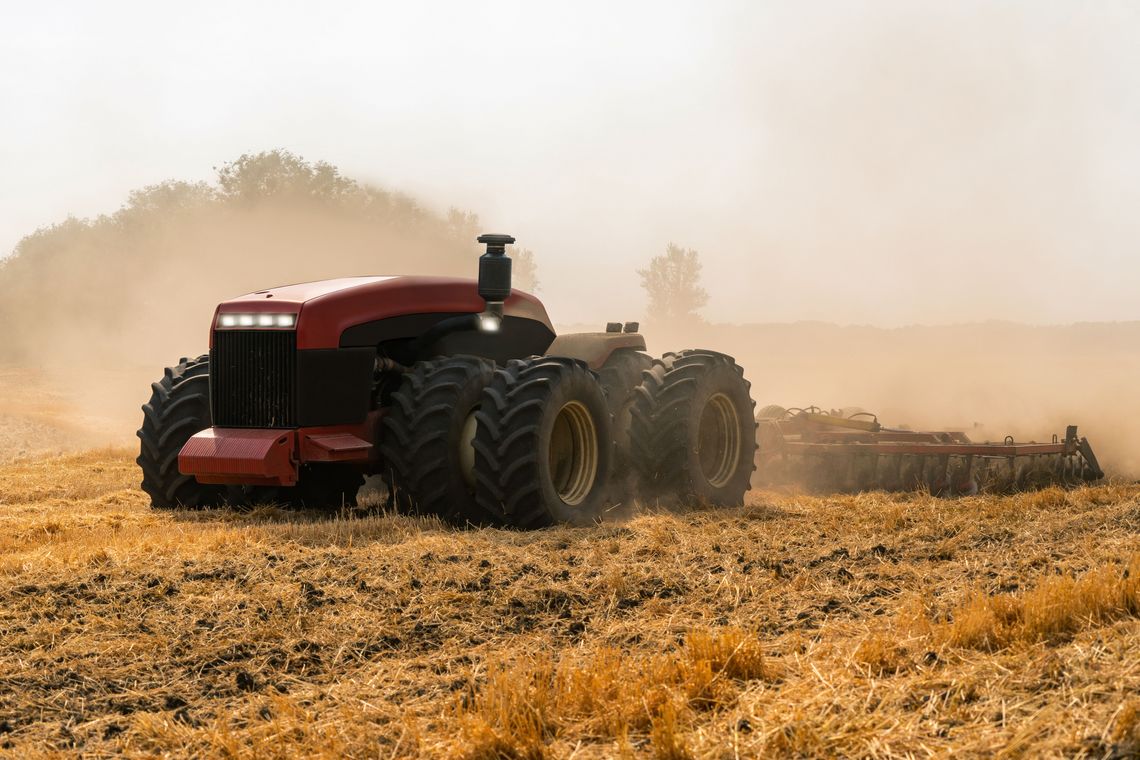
(456, 391)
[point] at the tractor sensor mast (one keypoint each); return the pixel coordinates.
(494, 279)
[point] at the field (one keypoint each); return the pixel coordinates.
(916, 212)
(795, 626)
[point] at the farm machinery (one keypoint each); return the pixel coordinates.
(456, 391)
(849, 451)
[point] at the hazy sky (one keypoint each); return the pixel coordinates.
(861, 162)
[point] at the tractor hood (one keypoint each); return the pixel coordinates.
(322, 311)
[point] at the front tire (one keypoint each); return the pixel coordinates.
(693, 431)
(179, 407)
(544, 444)
(428, 435)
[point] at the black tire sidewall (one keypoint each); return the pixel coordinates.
(176, 415)
(725, 380)
(422, 438)
(467, 401)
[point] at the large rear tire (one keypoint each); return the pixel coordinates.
(428, 435)
(179, 407)
(544, 444)
(693, 430)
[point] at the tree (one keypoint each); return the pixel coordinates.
(672, 281)
(524, 270)
(255, 177)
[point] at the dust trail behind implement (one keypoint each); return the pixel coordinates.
(989, 380)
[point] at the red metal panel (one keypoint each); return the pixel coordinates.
(254, 456)
(326, 309)
(232, 455)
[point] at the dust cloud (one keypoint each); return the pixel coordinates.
(918, 163)
(885, 164)
(988, 380)
(140, 286)
(94, 309)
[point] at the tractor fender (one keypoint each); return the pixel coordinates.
(594, 348)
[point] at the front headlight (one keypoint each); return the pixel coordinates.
(285, 321)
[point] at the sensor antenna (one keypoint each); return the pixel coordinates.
(494, 278)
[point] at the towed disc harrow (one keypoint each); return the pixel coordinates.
(849, 451)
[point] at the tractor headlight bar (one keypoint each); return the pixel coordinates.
(238, 321)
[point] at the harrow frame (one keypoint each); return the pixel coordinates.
(829, 451)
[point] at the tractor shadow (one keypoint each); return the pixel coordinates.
(373, 520)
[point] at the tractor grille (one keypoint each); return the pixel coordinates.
(253, 378)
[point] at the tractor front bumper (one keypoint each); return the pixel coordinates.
(268, 457)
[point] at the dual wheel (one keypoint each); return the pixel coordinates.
(528, 444)
(545, 440)
(540, 441)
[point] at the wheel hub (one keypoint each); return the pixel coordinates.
(718, 440)
(573, 453)
(467, 449)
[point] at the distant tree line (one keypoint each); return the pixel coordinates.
(138, 284)
(138, 281)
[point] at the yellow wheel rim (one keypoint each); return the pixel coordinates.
(718, 440)
(573, 453)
